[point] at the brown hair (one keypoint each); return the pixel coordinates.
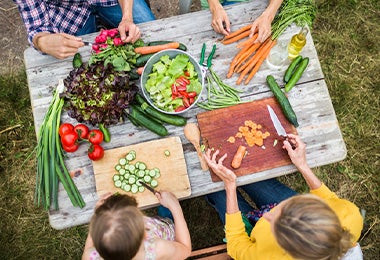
(307, 228)
(117, 227)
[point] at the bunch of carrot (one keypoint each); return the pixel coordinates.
(251, 55)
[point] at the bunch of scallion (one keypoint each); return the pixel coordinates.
(300, 12)
(219, 94)
(50, 161)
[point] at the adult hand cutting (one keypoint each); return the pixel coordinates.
(58, 45)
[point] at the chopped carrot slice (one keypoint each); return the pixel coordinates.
(231, 139)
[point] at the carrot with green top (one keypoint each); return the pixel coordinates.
(236, 38)
(237, 32)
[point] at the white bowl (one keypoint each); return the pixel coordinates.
(172, 53)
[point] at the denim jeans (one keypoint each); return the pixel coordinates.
(262, 193)
(112, 16)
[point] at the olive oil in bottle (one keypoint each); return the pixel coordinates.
(297, 42)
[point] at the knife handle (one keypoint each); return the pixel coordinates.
(287, 139)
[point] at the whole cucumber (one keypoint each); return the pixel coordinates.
(289, 71)
(282, 100)
(144, 121)
(297, 74)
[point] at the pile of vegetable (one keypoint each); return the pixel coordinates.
(173, 84)
(72, 136)
(97, 93)
(249, 59)
(50, 160)
(109, 49)
(129, 174)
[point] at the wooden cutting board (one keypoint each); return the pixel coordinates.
(217, 126)
(173, 169)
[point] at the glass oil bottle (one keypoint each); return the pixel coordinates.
(297, 42)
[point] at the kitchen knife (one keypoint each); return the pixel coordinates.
(148, 187)
(278, 126)
(87, 43)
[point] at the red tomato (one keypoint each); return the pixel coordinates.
(65, 128)
(95, 136)
(82, 131)
(186, 102)
(187, 74)
(69, 139)
(180, 108)
(70, 149)
(95, 152)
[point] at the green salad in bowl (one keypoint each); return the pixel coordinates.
(172, 81)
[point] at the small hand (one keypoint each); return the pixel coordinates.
(168, 199)
(129, 32)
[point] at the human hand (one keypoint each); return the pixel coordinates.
(262, 25)
(58, 45)
(168, 200)
(129, 32)
(227, 176)
(220, 21)
(296, 149)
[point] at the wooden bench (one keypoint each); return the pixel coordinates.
(218, 252)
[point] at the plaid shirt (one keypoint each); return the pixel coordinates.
(57, 16)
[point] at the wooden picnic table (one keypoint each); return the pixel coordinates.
(310, 99)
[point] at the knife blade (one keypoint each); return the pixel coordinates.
(148, 187)
(278, 126)
(276, 122)
(87, 43)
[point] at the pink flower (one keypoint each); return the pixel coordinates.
(117, 41)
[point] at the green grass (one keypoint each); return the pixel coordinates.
(346, 35)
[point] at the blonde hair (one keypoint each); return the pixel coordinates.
(117, 228)
(307, 228)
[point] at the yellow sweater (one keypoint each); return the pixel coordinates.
(262, 244)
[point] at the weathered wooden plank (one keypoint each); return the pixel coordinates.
(310, 99)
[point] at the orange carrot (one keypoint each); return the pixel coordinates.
(237, 32)
(240, 57)
(156, 48)
(254, 59)
(259, 62)
(247, 42)
(248, 53)
(236, 38)
(140, 70)
(238, 157)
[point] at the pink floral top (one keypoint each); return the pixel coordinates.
(156, 228)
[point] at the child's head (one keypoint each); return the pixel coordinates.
(117, 227)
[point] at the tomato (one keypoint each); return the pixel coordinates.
(69, 139)
(186, 102)
(180, 108)
(192, 94)
(65, 128)
(187, 73)
(70, 149)
(95, 136)
(82, 131)
(95, 152)
(185, 80)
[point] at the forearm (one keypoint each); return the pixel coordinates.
(126, 9)
(272, 8)
(311, 179)
(182, 234)
(213, 5)
(88, 245)
(231, 198)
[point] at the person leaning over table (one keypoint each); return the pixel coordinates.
(319, 225)
(221, 23)
(54, 26)
(119, 230)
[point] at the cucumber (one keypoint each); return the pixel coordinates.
(170, 119)
(297, 74)
(133, 75)
(143, 59)
(146, 122)
(181, 47)
(149, 116)
(289, 71)
(282, 100)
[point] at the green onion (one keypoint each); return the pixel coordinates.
(50, 162)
